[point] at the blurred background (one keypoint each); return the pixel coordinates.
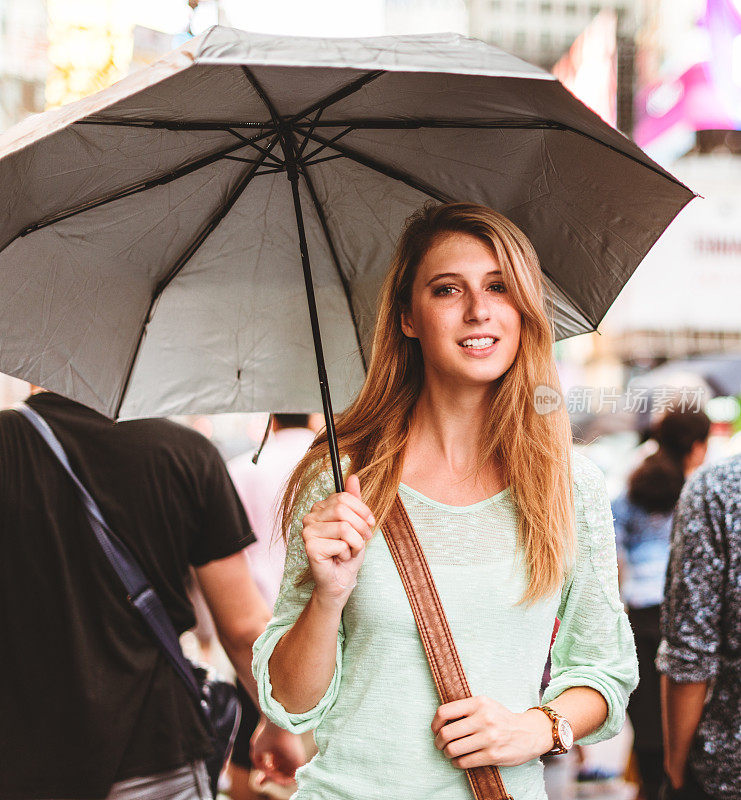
(665, 72)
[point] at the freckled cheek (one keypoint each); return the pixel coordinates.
(435, 328)
(511, 330)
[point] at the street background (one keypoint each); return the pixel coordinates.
(665, 72)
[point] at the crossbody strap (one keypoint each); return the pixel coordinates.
(447, 670)
(139, 590)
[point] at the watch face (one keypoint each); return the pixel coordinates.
(565, 733)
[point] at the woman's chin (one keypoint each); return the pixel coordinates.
(471, 379)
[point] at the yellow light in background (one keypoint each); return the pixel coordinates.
(90, 46)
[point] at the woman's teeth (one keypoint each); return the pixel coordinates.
(478, 344)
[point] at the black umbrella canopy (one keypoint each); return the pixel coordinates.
(151, 259)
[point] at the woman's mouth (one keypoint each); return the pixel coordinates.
(479, 347)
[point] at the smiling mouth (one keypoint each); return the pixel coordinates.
(478, 343)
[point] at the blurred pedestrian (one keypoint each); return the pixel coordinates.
(643, 518)
(91, 707)
(516, 530)
(259, 486)
(700, 651)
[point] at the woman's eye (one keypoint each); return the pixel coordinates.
(498, 287)
(443, 290)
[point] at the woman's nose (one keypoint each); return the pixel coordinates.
(477, 309)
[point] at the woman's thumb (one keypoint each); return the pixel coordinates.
(352, 486)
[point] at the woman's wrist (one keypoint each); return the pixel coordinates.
(540, 728)
(328, 605)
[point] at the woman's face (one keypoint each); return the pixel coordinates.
(466, 323)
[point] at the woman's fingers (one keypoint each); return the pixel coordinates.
(352, 486)
(334, 540)
(454, 710)
(340, 512)
(455, 730)
(325, 549)
(467, 744)
(480, 758)
(347, 499)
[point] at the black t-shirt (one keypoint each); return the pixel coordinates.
(87, 698)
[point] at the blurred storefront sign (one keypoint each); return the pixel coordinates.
(589, 68)
(685, 297)
(703, 94)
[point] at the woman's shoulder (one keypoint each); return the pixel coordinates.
(588, 477)
(594, 526)
(591, 502)
(322, 485)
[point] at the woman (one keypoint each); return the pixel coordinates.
(446, 417)
(643, 521)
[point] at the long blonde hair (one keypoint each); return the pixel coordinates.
(533, 449)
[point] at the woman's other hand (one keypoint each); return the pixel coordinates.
(479, 731)
(276, 752)
(335, 533)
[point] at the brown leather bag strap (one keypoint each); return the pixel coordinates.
(447, 671)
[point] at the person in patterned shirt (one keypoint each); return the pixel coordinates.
(700, 651)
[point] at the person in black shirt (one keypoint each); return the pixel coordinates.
(89, 701)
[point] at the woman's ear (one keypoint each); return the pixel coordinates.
(406, 324)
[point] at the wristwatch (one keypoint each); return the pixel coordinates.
(563, 736)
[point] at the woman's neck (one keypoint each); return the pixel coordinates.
(448, 426)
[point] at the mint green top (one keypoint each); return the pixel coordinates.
(373, 724)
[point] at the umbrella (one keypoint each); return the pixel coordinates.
(720, 372)
(159, 240)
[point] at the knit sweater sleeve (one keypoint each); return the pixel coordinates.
(288, 606)
(594, 646)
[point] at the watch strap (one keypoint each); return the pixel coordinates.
(558, 746)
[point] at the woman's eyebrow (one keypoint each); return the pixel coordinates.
(458, 275)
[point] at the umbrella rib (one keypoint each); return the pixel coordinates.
(159, 180)
(415, 124)
(311, 130)
(320, 160)
(251, 143)
(407, 124)
(336, 96)
(335, 259)
(184, 258)
(239, 158)
(318, 150)
(158, 124)
(385, 169)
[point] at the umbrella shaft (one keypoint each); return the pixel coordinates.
(292, 171)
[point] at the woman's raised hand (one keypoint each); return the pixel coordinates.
(335, 533)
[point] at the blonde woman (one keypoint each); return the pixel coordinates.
(516, 529)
